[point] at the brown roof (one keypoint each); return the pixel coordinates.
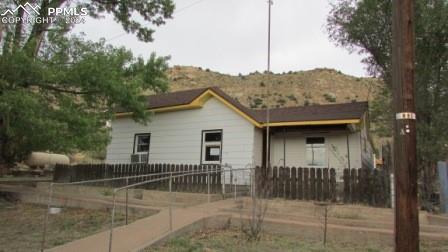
(341, 111)
(170, 99)
(354, 110)
(174, 99)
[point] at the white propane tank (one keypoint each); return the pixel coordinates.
(46, 159)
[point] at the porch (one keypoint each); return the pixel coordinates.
(316, 146)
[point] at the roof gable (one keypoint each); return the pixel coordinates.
(344, 113)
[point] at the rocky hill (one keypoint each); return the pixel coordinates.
(318, 86)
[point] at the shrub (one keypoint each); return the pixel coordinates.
(281, 101)
(292, 97)
(307, 95)
(258, 101)
(330, 97)
(255, 102)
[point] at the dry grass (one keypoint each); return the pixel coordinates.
(233, 240)
(21, 225)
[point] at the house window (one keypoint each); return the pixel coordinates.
(141, 143)
(211, 146)
(315, 151)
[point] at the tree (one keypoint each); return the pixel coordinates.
(58, 91)
(365, 26)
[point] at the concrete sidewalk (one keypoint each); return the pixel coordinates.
(142, 233)
(289, 217)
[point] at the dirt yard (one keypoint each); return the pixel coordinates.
(298, 226)
(233, 239)
(21, 225)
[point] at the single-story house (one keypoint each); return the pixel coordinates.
(207, 126)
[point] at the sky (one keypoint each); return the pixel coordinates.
(230, 36)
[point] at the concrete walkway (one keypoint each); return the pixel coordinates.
(286, 217)
(283, 216)
(144, 232)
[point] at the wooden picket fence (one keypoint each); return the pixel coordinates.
(297, 183)
(188, 183)
(365, 186)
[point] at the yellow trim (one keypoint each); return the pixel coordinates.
(176, 108)
(198, 103)
(323, 122)
(123, 114)
(191, 105)
(235, 109)
(203, 98)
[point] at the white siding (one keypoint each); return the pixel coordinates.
(355, 150)
(336, 150)
(258, 147)
(176, 136)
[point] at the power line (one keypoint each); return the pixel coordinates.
(188, 6)
(175, 12)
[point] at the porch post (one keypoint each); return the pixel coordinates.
(284, 146)
(266, 160)
(348, 152)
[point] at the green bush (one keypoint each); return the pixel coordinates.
(307, 95)
(281, 101)
(330, 97)
(292, 98)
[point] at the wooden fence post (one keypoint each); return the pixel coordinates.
(306, 187)
(346, 177)
(319, 184)
(275, 176)
(287, 176)
(269, 182)
(354, 189)
(326, 184)
(300, 183)
(312, 183)
(293, 183)
(333, 192)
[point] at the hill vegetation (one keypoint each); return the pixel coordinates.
(301, 88)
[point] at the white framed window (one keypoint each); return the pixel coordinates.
(211, 147)
(141, 143)
(315, 151)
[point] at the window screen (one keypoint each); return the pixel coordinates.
(212, 153)
(315, 151)
(211, 146)
(141, 143)
(213, 136)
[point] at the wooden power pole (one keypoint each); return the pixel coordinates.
(405, 163)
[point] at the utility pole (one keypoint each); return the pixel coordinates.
(405, 168)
